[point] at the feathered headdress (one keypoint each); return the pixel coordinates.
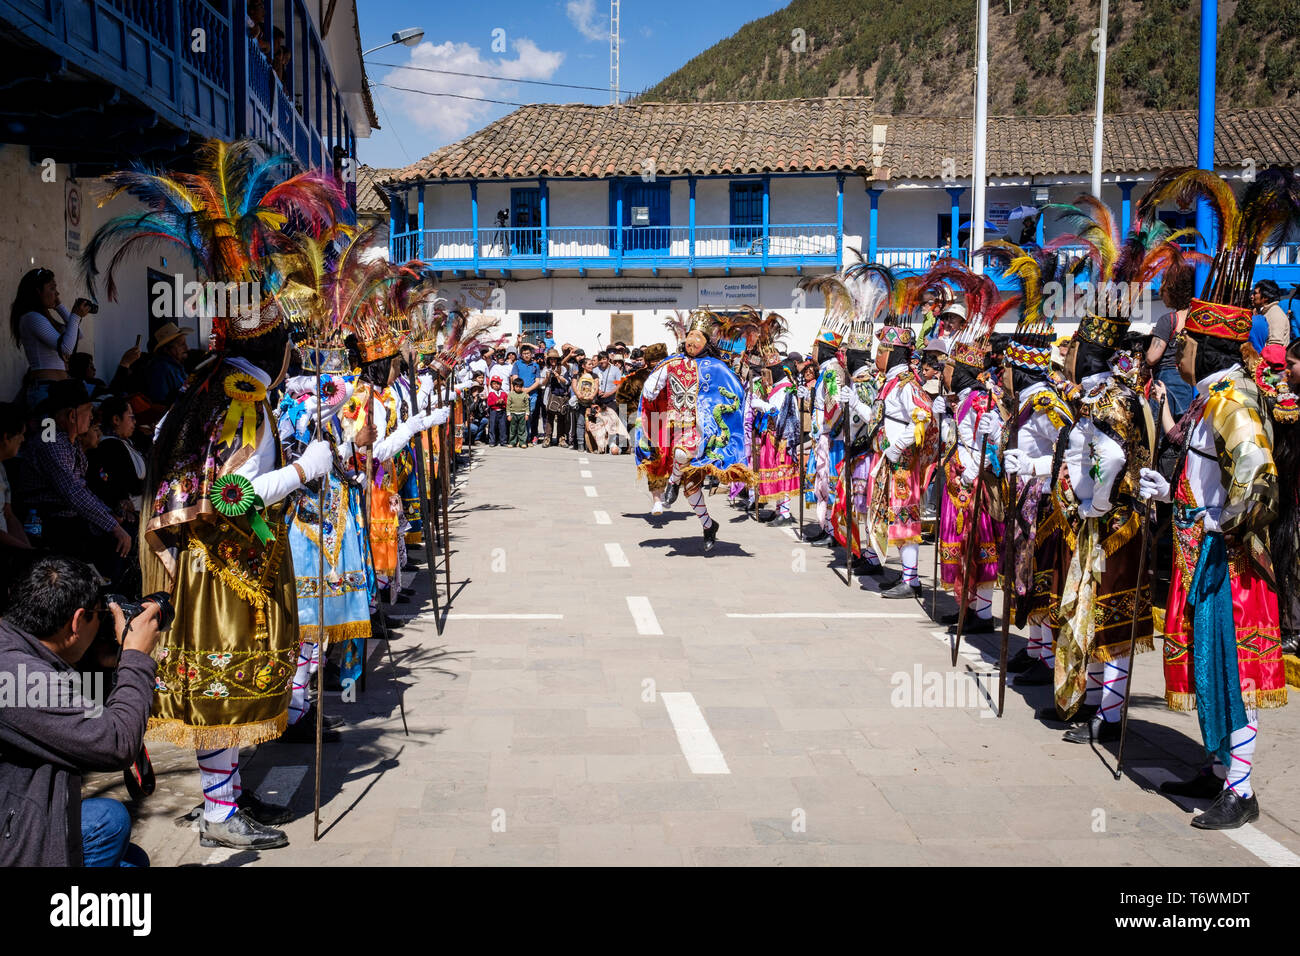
(738, 331)
(1030, 347)
(463, 333)
(838, 315)
(982, 307)
(677, 326)
(230, 216)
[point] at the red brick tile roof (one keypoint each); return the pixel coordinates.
(835, 134)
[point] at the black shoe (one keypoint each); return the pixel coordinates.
(1205, 785)
(764, 515)
(1037, 674)
(948, 620)
(783, 521)
(392, 623)
(1228, 812)
(333, 677)
(1021, 662)
(670, 493)
(974, 624)
(863, 566)
(267, 814)
(710, 536)
(1084, 714)
(902, 590)
(825, 541)
(1291, 643)
(411, 566)
(304, 731)
(1094, 731)
(385, 594)
(240, 831)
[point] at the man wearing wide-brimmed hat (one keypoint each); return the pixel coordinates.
(166, 373)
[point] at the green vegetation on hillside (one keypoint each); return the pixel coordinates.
(918, 55)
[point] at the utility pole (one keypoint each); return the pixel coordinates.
(978, 175)
(1101, 101)
(1205, 128)
(613, 53)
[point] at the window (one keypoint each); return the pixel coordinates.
(535, 327)
(646, 218)
(746, 215)
(526, 221)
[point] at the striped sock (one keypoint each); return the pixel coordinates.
(308, 661)
(696, 500)
(983, 602)
(783, 507)
(1040, 642)
(218, 775)
(871, 557)
(1092, 695)
(1242, 743)
(1114, 688)
(910, 555)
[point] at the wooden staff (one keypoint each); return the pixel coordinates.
(846, 479)
(972, 530)
(426, 514)
(443, 457)
(799, 411)
(1010, 515)
(320, 609)
(938, 526)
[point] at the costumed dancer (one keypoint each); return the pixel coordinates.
(825, 432)
(904, 446)
(213, 536)
(629, 396)
(1222, 649)
(970, 532)
(1105, 609)
(775, 418)
(690, 414)
(1041, 416)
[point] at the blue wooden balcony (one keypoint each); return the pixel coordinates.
(98, 81)
(783, 246)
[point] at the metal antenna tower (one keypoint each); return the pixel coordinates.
(613, 52)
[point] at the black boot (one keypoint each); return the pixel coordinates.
(1205, 785)
(240, 831)
(267, 814)
(1095, 730)
(824, 541)
(710, 536)
(670, 493)
(1037, 674)
(1021, 662)
(1084, 714)
(1228, 812)
(903, 590)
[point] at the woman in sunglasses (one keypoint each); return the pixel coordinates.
(46, 330)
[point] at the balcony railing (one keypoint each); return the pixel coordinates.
(567, 247)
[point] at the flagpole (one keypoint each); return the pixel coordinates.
(978, 173)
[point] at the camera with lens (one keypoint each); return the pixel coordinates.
(166, 613)
(93, 307)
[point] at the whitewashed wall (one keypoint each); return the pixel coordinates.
(32, 236)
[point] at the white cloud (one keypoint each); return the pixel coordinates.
(444, 119)
(582, 14)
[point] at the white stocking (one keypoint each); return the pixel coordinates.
(1092, 695)
(696, 500)
(1114, 689)
(1243, 756)
(219, 776)
(911, 556)
(308, 662)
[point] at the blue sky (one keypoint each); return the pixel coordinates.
(563, 41)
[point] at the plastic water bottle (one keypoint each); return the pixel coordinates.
(32, 523)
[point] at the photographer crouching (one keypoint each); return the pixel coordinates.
(49, 737)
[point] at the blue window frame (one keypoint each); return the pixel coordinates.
(746, 214)
(526, 215)
(652, 235)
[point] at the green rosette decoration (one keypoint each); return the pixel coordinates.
(233, 496)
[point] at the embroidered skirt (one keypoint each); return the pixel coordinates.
(347, 583)
(1255, 613)
(955, 546)
(778, 475)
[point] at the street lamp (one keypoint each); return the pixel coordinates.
(408, 37)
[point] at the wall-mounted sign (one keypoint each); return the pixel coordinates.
(724, 291)
(72, 217)
(640, 215)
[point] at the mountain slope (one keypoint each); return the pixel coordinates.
(918, 56)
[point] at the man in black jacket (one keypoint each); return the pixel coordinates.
(54, 725)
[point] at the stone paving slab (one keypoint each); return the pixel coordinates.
(548, 742)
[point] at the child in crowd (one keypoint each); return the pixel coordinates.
(496, 404)
(517, 408)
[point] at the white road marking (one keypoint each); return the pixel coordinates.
(643, 615)
(584, 461)
(584, 474)
(590, 490)
(693, 735)
(790, 532)
(1262, 845)
(796, 615)
(616, 556)
(505, 617)
(602, 517)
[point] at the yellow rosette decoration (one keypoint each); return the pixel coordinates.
(245, 393)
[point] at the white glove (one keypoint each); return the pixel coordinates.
(803, 391)
(316, 459)
(1018, 462)
(894, 453)
(298, 384)
(988, 425)
(438, 417)
(1086, 510)
(307, 418)
(940, 407)
(1152, 484)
